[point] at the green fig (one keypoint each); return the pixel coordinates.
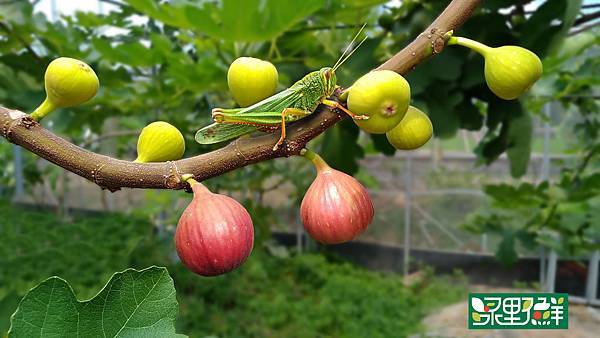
(251, 80)
(509, 70)
(412, 132)
(68, 82)
(160, 142)
(382, 95)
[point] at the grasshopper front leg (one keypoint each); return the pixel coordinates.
(334, 104)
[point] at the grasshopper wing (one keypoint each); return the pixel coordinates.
(219, 132)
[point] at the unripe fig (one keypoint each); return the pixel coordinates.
(412, 132)
(68, 82)
(382, 95)
(509, 70)
(215, 233)
(336, 208)
(251, 80)
(159, 142)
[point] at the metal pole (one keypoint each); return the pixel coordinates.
(551, 276)
(299, 237)
(484, 242)
(19, 178)
(542, 268)
(591, 285)
(547, 267)
(407, 211)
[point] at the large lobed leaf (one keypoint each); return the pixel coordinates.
(132, 304)
(234, 20)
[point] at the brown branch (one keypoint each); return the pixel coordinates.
(24, 43)
(587, 18)
(113, 174)
(582, 29)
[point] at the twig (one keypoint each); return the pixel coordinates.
(325, 27)
(20, 39)
(586, 18)
(584, 28)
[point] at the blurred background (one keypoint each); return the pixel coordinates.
(506, 197)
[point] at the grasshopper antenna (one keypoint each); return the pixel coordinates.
(349, 45)
(349, 54)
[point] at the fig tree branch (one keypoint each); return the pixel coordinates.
(114, 174)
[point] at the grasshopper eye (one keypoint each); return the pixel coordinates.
(327, 74)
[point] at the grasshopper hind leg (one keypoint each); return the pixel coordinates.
(293, 112)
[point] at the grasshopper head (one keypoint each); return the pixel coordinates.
(329, 79)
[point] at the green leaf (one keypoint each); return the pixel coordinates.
(507, 196)
(475, 316)
(8, 304)
(234, 20)
(441, 108)
(527, 304)
(520, 132)
(506, 252)
(381, 144)
(133, 304)
(544, 37)
(340, 148)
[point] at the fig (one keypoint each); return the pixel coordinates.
(159, 142)
(509, 70)
(68, 82)
(336, 207)
(251, 80)
(381, 95)
(215, 233)
(412, 132)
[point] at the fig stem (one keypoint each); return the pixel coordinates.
(474, 45)
(195, 185)
(42, 110)
(344, 95)
(189, 179)
(317, 160)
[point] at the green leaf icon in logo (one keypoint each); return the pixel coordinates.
(561, 300)
(475, 316)
(527, 305)
(546, 315)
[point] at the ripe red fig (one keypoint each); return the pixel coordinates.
(214, 234)
(336, 208)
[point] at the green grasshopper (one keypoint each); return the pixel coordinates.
(272, 113)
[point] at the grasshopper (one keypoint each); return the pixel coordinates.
(272, 113)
